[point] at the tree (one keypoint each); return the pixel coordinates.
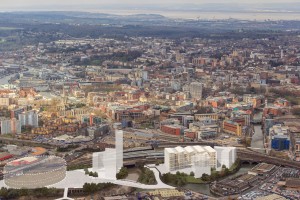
(226, 171)
(178, 179)
(3, 192)
(147, 177)
(90, 188)
(180, 182)
(12, 194)
(205, 177)
(123, 173)
(192, 174)
(93, 174)
(214, 175)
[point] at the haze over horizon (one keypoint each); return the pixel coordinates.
(116, 3)
(188, 9)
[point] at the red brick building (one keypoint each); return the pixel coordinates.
(171, 129)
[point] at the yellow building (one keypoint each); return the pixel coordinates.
(167, 193)
(214, 116)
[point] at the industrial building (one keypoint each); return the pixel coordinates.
(262, 169)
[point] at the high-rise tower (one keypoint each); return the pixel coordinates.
(119, 148)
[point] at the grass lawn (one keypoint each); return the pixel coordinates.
(191, 179)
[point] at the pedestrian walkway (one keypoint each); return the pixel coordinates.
(77, 178)
(65, 195)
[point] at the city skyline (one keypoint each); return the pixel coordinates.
(144, 101)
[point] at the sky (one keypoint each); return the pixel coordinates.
(189, 9)
(35, 3)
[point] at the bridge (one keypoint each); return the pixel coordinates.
(255, 157)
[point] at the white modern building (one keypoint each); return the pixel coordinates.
(196, 90)
(119, 149)
(225, 156)
(213, 156)
(29, 118)
(98, 161)
(109, 162)
(12, 126)
(197, 159)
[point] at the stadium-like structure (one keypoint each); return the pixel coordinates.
(34, 172)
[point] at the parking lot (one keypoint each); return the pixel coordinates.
(276, 184)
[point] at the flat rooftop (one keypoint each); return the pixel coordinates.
(262, 168)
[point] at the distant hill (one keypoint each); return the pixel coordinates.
(79, 17)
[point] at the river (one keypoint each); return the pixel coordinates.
(257, 142)
(204, 188)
